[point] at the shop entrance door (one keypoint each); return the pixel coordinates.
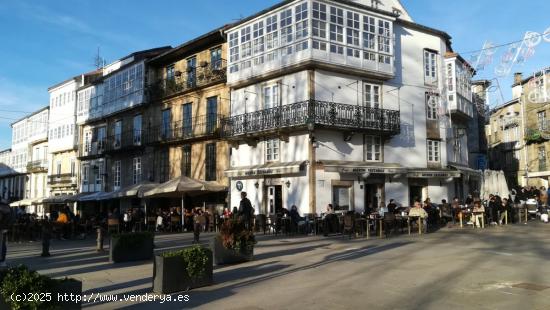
(415, 192)
(371, 197)
(274, 199)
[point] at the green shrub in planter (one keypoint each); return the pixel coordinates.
(182, 270)
(22, 281)
(131, 247)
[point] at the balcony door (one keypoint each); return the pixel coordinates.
(274, 199)
(191, 71)
(211, 114)
(101, 137)
(166, 118)
(371, 103)
(118, 134)
(216, 58)
(270, 99)
(187, 119)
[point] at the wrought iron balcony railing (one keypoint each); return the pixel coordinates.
(62, 179)
(90, 149)
(193, 128)
(203, 75)
(314, 113)
(37, 165)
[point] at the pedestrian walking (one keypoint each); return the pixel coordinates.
(246, 212)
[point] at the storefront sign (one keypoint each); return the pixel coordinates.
(433, 174)
(368, 170)
(239, 186)
(259, 170)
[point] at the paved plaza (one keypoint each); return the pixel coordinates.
(494, 268)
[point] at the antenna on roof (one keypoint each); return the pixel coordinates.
(99, 62)
(241, 17)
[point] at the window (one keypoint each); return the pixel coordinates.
(258, 32)
(336, 33)
(137, 130)
(319, 11)
(319, 29)
(186, 161)
(301, 11)
(353, 37)
(211, 114)
(371, 96)
(99, 175)
(272, 149)
(433, 151)
(271, 96)
(541, 119)
(384, 41)
(271, 24)
(170, 73)
(187, 119)
(210, 163)
(136, 170)
(118, 134)
(116, 174)
(272, 40)
(73, 168)
(85, 174)
(286, 18)
(301, 30)
(234, 51)
(450, 79)
(542, 158)
(373, 147)
(101, 136)
(58, 168)
(166, 118)
(337, 16)
(430, 66)
(432, 105)
(341, 198)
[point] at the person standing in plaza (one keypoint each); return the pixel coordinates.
(198, 224)
(246, 211)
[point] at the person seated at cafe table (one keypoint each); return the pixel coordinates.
(477, 213)
(330, 220)
(392, 206)
(419, 212)
(298, 220)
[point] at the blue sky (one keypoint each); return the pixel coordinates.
(45, 42)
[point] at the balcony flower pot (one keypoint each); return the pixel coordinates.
(131, 247)
(182, 270)
(234, 244)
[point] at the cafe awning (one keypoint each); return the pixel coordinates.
(97, 196)
(183, 185)
(136, 190)
(466, 170)
(266, 169)
(433, 173)
(358, 167)
(60, 199)
(23, 202)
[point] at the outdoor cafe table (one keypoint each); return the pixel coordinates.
(467, 212)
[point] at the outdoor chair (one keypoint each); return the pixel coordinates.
(113, 225)
(272, 225)
(389, 223)
(261, 223)
(349, 225)
(532, 209)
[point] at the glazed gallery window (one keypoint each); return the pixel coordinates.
(373, 148)
(136, 170)
(210, 162)
(434, 151)
(430, 67)
(432, 104)
(116, 174)
(272, 149)
(186, 161)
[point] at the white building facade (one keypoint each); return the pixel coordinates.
(341, 102)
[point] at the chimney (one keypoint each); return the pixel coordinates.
(518, 77)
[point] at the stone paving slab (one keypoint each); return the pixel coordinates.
(450, 269)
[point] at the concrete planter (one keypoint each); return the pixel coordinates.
(131, 247)
(224, 256)
(170, 275)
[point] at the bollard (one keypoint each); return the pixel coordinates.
(100, 239)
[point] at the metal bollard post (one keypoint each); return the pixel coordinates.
(99, 239)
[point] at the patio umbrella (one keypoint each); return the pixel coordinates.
(20, 203)
(179, 187)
